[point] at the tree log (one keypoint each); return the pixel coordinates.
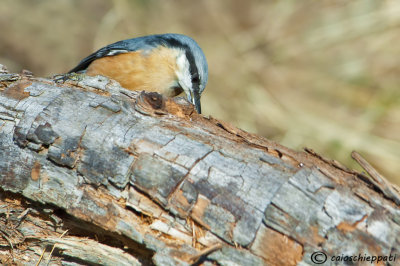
(93, 174)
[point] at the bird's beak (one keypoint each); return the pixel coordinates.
(194, 98)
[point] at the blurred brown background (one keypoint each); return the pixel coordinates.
(321, 74)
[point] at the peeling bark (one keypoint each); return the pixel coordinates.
(91, 173)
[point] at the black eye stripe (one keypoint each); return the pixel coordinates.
(193, 70)
(195, 78)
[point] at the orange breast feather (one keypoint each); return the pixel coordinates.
(137, 71)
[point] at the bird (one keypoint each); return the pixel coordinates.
(165, 63)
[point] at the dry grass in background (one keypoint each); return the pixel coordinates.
(321, 74)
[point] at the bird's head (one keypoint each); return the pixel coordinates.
(191, 66)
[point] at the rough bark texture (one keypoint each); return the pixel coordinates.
(93, 174)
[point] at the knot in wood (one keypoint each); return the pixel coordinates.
(154, 99)
(150, 103)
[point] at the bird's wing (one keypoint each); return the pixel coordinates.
(109, 50)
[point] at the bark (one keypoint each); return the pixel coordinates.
(91, 173)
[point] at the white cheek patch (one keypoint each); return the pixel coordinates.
(183, 73)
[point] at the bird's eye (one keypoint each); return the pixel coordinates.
(195, 79)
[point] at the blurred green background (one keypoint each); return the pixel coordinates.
(318, 74)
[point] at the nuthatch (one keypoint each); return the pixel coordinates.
(165, 63)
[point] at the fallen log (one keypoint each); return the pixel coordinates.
(91, 173)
